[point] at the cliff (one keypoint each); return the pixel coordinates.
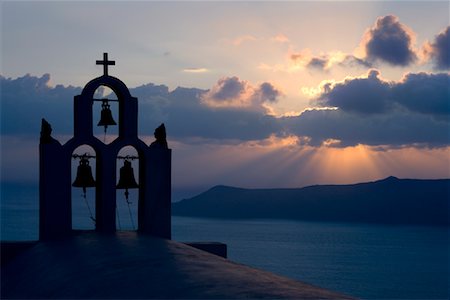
(387, 201)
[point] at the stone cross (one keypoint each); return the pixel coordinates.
(105, 62)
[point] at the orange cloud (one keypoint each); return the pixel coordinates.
(242, 39)
(280, 38)
(195, 70)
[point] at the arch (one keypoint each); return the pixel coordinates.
(91, 141)
(113, 83)
(83, 113)
(136, 143)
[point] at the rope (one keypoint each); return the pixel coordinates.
(118, 218)
(89, 208)
(131, 216)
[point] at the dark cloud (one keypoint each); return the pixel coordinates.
(361, 95)
(420, 93)
(318, 63)
(424, 93)
(391, 42)
(413, 111)
(228, 88)
(353, 61)
(325, 62)
(371, 111)
(27, 99)
(439, 50)
(393, 129)
(266, 92)
(232, 92)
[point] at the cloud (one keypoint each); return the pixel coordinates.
(242, 39)
(195, 70)
(326, 61)
(424, 93)
(228, 88)
(372, 111)
(417, 92)
(317, 63)
(234, 92)
(353, 61)
(439, 50)
(188, 117)
(392, 129)
(27, 99)
(297, 56)
(266, 92)
(387, 41)
(368, 110)
(390, 41)
(280, 38)
(361, 95)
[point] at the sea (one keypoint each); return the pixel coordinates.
(367, 261)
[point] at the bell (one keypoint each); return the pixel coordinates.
(126, 179)
(106, 118)
(84, 177)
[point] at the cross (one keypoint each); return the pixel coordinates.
(105, 62)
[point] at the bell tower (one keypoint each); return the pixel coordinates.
(154, 203)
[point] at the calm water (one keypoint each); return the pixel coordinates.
(367, 261)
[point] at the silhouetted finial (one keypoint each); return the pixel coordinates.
(105, 62)
(161, 138)
(46, 132)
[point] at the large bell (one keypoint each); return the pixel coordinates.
(84, 177)
(106, 118)
(126, 179)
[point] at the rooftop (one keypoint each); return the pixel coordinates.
(129, 265)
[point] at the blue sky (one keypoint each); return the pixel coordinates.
(275, 94)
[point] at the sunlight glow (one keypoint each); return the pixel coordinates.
(290, 162)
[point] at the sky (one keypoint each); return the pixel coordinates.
(253, 94)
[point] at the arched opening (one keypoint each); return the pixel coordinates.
(83, 188)
(127, 189)
(105, 114)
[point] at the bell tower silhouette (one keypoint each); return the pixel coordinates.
(154, 203)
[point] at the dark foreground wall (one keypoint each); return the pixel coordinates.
(127, 265)
(9, 250)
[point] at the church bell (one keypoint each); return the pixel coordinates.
(106, 118)
(126, 179)
(84, 177)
